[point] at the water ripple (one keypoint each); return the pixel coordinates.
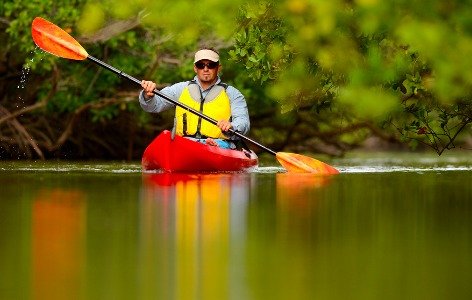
(367, 164)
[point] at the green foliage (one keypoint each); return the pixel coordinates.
(260, 45)
(402, 67)
(20, 14)
(366, 56)
(367, 103)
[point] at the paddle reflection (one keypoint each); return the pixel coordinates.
(297, 198)
(58, 244)
(299, 206)
(297, 189)
(195, 218)
(299, 185)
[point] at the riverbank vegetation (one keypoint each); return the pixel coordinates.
(318, 76)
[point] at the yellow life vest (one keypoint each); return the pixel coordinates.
(215, 105)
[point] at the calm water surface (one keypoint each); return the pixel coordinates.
(390, 226)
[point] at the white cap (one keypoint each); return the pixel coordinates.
(206, 54)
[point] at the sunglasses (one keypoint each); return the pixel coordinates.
(210, 65)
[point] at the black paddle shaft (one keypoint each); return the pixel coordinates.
(160, 94)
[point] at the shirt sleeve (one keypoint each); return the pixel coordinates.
(158, 104)
(239, 112)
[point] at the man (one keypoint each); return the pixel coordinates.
(207, 94)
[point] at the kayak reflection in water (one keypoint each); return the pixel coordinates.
(207, 94)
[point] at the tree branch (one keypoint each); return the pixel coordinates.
(124, 97)
(27, 138)
(113, 29)
(37, 105)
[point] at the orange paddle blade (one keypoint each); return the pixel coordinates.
(56, 41)
(297, 163)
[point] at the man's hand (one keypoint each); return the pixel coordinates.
(148, 87)
(211, 142)
(224, 125)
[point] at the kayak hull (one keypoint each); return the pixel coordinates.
(184, 155)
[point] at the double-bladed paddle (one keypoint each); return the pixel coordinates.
(56, 41)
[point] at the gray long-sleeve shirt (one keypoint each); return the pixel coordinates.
(239, 111)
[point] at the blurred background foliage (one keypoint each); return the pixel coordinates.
(318, 76)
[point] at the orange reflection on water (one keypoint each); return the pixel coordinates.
(298, 210)
(296, 190)
(58, 244)
(297, 197)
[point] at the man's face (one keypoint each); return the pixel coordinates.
(206, 70)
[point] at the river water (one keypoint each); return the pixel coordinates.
(390, 226)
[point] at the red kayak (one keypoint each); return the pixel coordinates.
(184, 155)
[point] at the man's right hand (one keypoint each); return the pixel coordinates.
(148, 87)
